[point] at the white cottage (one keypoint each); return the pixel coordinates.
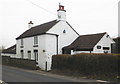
(57, 37)
(42, 41)
(93, 43)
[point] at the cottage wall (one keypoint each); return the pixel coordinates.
(105, 41)
(46, 48)
(66, 35)
(76, 52)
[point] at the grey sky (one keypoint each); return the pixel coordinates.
(85, 16)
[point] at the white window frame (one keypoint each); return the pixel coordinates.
(35, 40)
(29, 54)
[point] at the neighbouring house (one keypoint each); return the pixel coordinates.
(41, 42)
(116, 45)
(11, 51)
(93, 43)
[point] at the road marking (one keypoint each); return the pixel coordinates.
(101, 81)
(1, 81)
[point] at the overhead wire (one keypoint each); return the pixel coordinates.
(40, 7)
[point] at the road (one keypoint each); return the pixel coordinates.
(12, 74)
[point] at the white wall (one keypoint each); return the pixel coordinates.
(51, 49)
(76, 52)
(104, 42)
(64, 39)
(27, 45)
(11, 55)
(46, 43)
(61, 15)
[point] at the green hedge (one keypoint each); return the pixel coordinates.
(88, 64)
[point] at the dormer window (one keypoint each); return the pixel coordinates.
(35, 40)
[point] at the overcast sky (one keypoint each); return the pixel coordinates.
(85, 16)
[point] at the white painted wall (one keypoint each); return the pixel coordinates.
(51, 49)
(104, 42)
(46, 43)
(64, 39)
(61, 15)
(27, 45)
(76, 52)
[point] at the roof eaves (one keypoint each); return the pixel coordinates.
(20, 37)
(72, 28)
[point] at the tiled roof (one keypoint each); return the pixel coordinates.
(10, 50)
(85, 42)
(38, 30)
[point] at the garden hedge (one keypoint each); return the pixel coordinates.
(88, 63)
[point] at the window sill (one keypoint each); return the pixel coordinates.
(35, 45)
(21, 46)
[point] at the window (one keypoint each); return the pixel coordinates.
(66, 51)
(106, 48)
(35, 40)
(36, 55)
(21, 42)
(107, 36)
(105, 51)
(98, 47)
(22, 53)
(29, 54)
(64, 31)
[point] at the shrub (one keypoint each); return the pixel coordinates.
(88, 64)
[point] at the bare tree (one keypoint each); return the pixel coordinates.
(2, 48)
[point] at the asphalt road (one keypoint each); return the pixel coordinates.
(12, 74)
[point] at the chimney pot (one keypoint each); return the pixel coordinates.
(30, 24)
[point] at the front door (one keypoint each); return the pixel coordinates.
(36, 55)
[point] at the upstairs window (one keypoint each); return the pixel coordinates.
(21, 42)
(35, 40)
(98, 47)
(64, 31)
